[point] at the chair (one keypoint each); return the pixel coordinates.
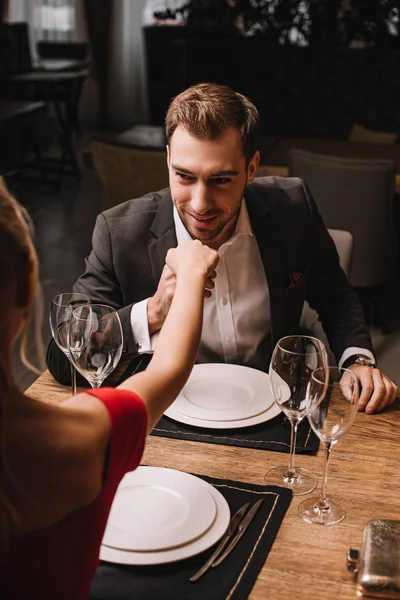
(60, 88)
(309, 319)
(356, 196)
(127, 172)
(68, 50)
(19, 47)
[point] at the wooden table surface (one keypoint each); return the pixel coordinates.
(306, 561)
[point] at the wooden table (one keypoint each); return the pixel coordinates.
(306, 561)
(62, 64)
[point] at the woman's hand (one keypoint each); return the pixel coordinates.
(192, 257)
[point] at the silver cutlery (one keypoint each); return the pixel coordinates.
(232, 527)
(240, 532)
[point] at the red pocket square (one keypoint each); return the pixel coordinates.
(294, 279)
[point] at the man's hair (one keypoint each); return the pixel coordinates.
(206, 110)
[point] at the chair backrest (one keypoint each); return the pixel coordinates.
(68, 50)
(19, 46)
(344, 246)
(127, 173)
(309, 319)
(356, 196)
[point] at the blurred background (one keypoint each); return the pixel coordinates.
(85, 84)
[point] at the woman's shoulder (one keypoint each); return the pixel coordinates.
(108, 414)
(85, 423)
(99, 427)
(105, 407)
(66, 445)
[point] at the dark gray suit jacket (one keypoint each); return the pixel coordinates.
(130, 242)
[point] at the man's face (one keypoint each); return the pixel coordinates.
(207, 180)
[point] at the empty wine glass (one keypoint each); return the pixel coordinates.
(294, 359)
(95, 341)
(60, 313)
(332, 401)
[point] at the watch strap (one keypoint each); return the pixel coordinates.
(360, 359)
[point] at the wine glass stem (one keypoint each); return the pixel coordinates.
(95, 384)
(73, 379)
(293, 436)
(323, 501)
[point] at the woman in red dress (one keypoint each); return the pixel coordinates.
(60, 464)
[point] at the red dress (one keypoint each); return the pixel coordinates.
(59, 562)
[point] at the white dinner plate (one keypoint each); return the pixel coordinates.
(158, 509)
(223, 392)
(238, 378)
(210, 537)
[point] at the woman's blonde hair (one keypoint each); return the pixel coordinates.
(17, 255)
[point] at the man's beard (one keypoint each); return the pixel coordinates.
(206, 234)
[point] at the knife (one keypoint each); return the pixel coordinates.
(242, 528)
(233, 525)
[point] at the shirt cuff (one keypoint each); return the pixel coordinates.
(355, 351)
(140, 328)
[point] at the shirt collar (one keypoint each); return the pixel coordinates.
(243, 226)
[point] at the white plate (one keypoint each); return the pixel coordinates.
(270, 411)
(223, 392)
(158, 509)
(211, 536)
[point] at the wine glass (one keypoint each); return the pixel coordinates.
(294, 359)
(332, 402)
(60, 313)
(95, 341)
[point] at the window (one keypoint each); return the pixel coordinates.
(53, 20)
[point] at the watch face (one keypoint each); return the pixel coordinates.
(364, 360)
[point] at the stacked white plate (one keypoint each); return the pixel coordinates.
(223, 396)
(162, 515)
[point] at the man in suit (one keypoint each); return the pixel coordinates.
(274, 250)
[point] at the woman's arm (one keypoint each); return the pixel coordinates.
(179, 337)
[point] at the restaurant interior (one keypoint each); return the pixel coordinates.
(84, 88)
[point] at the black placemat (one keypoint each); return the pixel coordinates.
(232, 580)
(272, 435)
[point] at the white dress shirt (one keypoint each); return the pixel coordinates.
(236, 319)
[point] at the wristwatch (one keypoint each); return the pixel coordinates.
(359, 359)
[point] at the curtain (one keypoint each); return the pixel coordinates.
(98, 17)
(3, 10)
(127, 94)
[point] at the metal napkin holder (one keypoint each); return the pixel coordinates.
(377, 566)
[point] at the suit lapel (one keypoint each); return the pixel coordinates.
(269, 239)
(163, 232)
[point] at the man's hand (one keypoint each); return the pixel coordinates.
(158, 305)
(377, 390)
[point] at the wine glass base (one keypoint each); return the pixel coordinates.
(309, 511)
(302, 483)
